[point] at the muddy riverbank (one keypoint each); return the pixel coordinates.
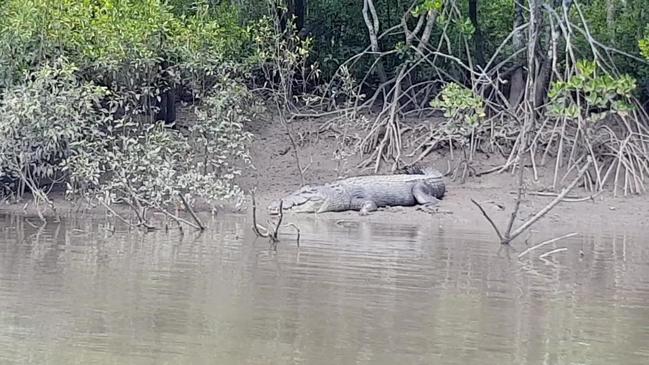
(276, 174)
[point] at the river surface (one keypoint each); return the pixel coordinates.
(80, 291)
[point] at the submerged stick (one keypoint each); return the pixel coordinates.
(553, 252)
(547, 242)
(255, 227)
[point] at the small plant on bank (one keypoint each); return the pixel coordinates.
(464, 112)
(590, 96)
(460, 105)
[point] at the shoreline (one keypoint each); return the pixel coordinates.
(275, 174)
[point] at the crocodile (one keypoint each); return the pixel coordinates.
(366, 193)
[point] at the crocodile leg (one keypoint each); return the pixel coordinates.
(423, 193)
(366, 206)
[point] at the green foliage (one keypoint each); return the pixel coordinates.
(426, 6)
(151, 167)
(600, 92)
(644, 45)
(283, 59)
(460, 105)
(120, 43)
(137, 50)
(42, 119)
(617, 24)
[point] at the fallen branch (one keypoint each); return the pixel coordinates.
(192, 213)
(179, 220)
(114, 213)
(567, 199)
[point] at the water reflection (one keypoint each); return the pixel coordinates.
(82, 291)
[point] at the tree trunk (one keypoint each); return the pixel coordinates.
(373, 29)
(610, 18)
(517, 81)
(167, 104)
(477, 36)
(297, 8)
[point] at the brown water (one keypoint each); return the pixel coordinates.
(361, 293)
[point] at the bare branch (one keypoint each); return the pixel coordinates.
(493, 225)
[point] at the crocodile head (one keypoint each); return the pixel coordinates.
(306, 200)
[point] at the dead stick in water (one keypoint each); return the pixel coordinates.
(274, 237)
(297, 230)
(552, 252)
(493, 225)
(255, 227)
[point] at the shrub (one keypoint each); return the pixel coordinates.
(41, 120)
(153, 167)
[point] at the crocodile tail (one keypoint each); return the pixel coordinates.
(431, 172)
(419, 170)
(410, 170)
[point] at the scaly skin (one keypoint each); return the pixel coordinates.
(366, 194)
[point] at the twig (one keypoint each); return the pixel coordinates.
(546, 243)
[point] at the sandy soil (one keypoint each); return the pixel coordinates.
(276, 174)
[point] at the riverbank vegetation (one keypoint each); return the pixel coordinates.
(91, 92)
